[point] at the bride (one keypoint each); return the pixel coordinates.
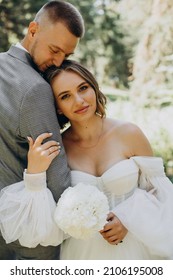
(113, 155)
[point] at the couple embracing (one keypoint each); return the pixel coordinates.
(38, 162)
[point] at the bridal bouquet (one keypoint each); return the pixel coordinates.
(81, 211)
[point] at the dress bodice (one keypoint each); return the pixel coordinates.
(139, 194)
(118, 182)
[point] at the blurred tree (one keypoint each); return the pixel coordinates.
(87, 48)
(153, 64)
(14, 18)
(102, 48)
(112, 37)
(133, 14)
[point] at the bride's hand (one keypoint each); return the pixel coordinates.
(41, 155)
(114, 231)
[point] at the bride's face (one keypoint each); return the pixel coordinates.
(75, 98)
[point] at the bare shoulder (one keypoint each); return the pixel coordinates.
(130, 129)
(122, 127)
(132, 136)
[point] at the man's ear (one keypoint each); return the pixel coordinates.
(33, 28)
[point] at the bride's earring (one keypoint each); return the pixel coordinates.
(59, 112)
(98, 114)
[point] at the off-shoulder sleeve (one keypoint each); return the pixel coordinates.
(148, 213)
(27, 213)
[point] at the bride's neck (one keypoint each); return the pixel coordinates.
(87, 131)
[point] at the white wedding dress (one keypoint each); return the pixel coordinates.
(140, 211)
(138, 192)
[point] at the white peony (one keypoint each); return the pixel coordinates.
(81, 211)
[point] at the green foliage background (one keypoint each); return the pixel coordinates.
(128, 46)
(102, 41)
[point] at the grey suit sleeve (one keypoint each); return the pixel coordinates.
(38, 115)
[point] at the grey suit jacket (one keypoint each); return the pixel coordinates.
(26, 109)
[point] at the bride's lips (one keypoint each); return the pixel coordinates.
(82, 110)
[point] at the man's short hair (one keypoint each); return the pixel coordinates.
(64, 12)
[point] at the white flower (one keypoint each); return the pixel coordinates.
(81, 211)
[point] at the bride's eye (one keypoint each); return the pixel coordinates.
(83, 88)
(65, 96)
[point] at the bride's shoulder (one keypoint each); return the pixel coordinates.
(131, 136)
(122, 126)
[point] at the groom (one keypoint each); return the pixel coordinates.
(27, 104)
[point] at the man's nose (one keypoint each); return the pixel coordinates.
(57, 61)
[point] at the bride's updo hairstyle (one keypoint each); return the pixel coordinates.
(75, 67)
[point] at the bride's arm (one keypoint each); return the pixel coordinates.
(114, 231)
(137, 144)
(27, 207)
(149, 211)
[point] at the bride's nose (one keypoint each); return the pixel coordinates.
(79, 99)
